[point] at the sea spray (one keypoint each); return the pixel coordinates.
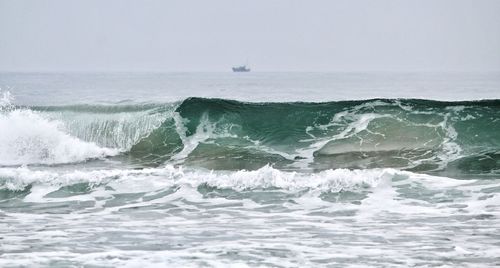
(27, 137)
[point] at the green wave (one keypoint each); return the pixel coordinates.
(412, 134)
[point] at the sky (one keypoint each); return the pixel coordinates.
(269, 35)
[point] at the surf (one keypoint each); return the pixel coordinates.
(220, 134)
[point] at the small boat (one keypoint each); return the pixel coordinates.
(241, 69)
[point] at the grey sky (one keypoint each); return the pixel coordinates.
(273, 35)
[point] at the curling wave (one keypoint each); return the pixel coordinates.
(417, 135)
(26, 137)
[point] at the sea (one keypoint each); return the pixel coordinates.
(375, 169)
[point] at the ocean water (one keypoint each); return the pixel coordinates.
(250, 170)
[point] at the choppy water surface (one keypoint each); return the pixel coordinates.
(165, 180)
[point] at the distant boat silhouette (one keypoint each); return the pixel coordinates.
(241, 69)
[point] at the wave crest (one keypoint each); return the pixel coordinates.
(418, 135)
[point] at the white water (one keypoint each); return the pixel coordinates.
(26, 137)
(95, 213)
(161, 217)
(263, 178)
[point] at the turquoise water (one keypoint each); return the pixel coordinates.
(269, 170)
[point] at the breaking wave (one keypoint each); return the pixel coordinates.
(416, 135)
(26, 137)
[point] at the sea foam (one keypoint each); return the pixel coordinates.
(267, 177)
(26, 137)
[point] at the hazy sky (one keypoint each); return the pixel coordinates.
(273, 35)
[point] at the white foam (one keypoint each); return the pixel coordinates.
(204, 131)
(6, 100)
(265, 177)
(354, 122)
(26, 137)
(359, 123)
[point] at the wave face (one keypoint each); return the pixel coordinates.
(416, 135)
(410, 134)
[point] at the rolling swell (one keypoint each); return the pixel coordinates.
(416, 135)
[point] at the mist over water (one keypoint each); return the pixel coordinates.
(126, 88)
(144, 169)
